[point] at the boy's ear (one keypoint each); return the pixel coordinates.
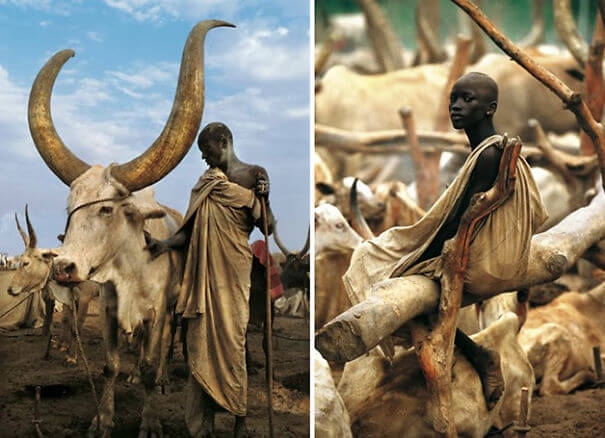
(493, 106)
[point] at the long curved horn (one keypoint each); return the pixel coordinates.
(566, 28)
(55, 154)
(183, 123)
(358, 223)
(33, 240)
(23, 235)
(303, 251)
(279, 243)
(536, 34)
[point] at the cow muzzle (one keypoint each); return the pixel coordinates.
(66, 271)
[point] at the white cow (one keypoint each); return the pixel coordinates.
(110, 218)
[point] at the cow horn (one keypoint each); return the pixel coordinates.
(23, 235)
(358, 223)
(33, 240)
(427, 34)
(279, 243)
(303, 251)
(55, 154)
(183, 123)
(536, 34)
(566, 28)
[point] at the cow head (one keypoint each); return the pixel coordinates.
(332, 231)
(88, 185)
(296, 266)
(338, 194)
(34, 265)
(104, 220)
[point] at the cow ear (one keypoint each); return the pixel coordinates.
(49, 255)
(325, 188)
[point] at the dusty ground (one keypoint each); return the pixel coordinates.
(579, 414)
(67, 405)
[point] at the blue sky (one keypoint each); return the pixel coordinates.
(112, 99)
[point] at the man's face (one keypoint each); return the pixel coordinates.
(470, 103)
(214, 152)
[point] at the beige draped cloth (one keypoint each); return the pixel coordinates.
(499, 249)
(216, 287)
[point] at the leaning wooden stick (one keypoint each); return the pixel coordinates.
(437, 350)
(572, 100)
(268, 319)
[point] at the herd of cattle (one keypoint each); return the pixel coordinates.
(545, 337)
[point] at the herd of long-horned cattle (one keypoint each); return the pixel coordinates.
(384, 154)
(111, 215)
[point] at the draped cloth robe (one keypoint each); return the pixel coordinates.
(216, 286)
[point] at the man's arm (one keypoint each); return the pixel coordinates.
(157, 247)
(262, 191)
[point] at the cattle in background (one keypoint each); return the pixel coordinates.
(335, 241)
(33, 275)
(559, 336)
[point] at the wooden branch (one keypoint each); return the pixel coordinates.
(437, 351)
(396, 301)
(549, 153)
(328, 136)
(394, 142)
(571, 99)
(459, 63)
(423, 177)
(595, 87)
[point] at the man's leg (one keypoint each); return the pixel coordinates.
(240, 431)
(199, 414)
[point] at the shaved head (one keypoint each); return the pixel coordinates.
(481, 82)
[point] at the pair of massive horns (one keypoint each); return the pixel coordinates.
(285, 250)
(168, 149)
(32, 240)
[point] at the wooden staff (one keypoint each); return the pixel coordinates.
(268, 318)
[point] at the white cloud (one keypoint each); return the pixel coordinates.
(145, 76)
(44, 23)
(95, 36)
(264, 54)
(156, 10)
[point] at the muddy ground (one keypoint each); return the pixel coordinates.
(67, 405)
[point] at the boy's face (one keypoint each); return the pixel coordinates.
(470, 102)
(214, 152)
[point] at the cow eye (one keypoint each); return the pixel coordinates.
(106, 210)
(25, 264)
(340, 226)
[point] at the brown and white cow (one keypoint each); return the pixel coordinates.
(559, 336)
(109, 218)
(33, 274)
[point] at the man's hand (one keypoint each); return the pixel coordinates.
(262, 186)
(156, 247)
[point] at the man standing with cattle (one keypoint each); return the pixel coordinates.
(223, 209)
(499, 248)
